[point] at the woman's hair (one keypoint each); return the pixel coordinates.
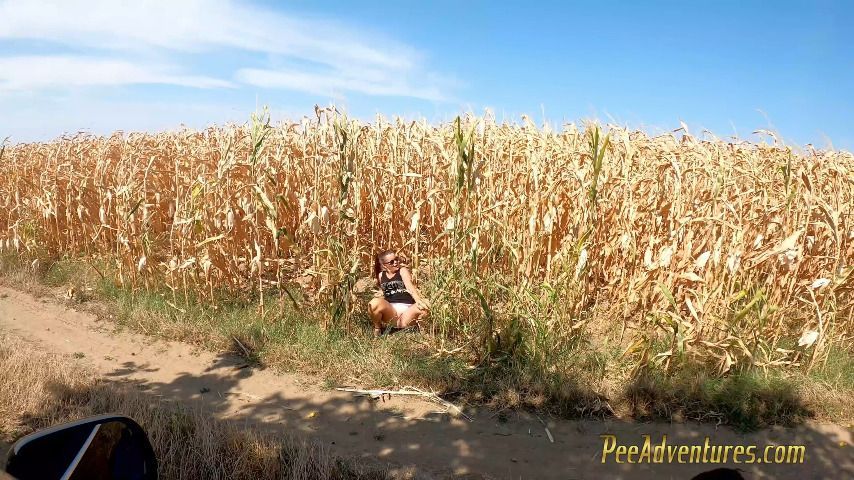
(377, 266)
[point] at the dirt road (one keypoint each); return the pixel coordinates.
(405, 432)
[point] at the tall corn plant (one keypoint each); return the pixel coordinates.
(604, 221)
(259, 130)
(344, 247)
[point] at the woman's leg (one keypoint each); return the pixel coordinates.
(381, 312)
(410, 316)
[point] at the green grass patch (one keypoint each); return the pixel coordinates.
(746, 399)
(513, 368)
(837, 371)
(61, 272)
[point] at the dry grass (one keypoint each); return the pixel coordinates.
(533, 245)
(38, 390)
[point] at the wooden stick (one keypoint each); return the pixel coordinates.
(381, 392)
(245, 351)
(408, 391)
(551, 438)
(433, 396)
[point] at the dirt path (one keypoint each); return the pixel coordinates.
(404, 431)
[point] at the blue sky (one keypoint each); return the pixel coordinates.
(729, 67)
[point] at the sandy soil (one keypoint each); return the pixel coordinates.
(407, 433)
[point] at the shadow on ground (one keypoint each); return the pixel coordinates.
(439, 445)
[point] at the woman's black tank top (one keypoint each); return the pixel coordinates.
(394, 290)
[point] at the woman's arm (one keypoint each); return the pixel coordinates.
(378, 292)
(410, 287)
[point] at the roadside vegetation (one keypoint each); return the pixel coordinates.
(582, 273)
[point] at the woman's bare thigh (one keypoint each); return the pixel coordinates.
(409, 316)
(383, 307)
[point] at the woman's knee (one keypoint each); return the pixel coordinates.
(376, 304)
(411, 315)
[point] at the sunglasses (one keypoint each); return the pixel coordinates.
(393, 261)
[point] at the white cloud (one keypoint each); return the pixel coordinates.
(349, 59)
(330, 85)
(194, 25)
(26, 73)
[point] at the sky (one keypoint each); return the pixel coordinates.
(729, 67)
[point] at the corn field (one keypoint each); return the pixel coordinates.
(675, 246)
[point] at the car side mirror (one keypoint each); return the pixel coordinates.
(110, 447)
